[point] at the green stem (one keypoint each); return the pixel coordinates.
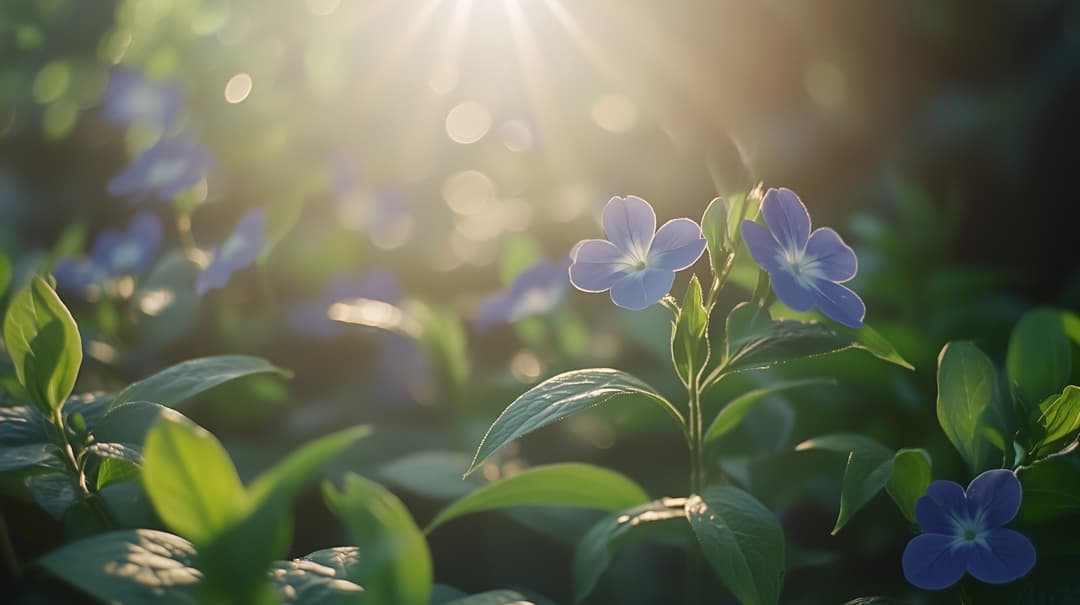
(696, 440)
(719, 280)
(69, 452)
(7, 551)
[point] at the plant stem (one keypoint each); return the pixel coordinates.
(69, 452)
(694, 418)
(7, 551)
(719, 280)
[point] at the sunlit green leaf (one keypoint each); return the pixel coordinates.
(320, 578)
(493, 597)
(967, 403)
(743, 542)
(580, 485)
(910, 478)
(558, 397)
(689, 339)
(1040, 357)
(733, 413)
(183, 381)
(397, 565)
(1058, 419)
(43, 341)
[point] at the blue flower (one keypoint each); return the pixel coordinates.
(240, 250)
(535, 291)
(131, 98)
(114, 254)
(962, 532)
(806, 269)
(638, 264)
(163, 171)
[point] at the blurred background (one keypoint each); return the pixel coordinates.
(424, 153)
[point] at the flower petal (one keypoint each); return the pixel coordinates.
(791, 292)
(787, 218)
(931, 562)
(629, 222)
(839, 303)
(762, 245)
(931, 517)
(244, 246)
(677, 245)
(996, 494)
(597, 265)
(640, 289)
(831, 257)
(214, 276)
(493, 310)
(1003, 556)
(949, 496)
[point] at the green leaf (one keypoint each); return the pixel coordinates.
(320, 578)
(745, 322)
(593, 553)
(131, 422)
(573, 484)
(733, 413)
(518, 253)
(285, 479)
(492, 597)
(5, 273)
(442, 334)
(1059, 419)
(112, 471)
(126, 452)
(910, 478)
(397, 565)
(55, 492)
(743, 542)
(714, 225)
(558, 397)
(41, 455)
(183, 381)
(1051, 490)
(43, 341)
(22, 425)
(435, 474)
(689, 339)
(966, 406)
(1039, 359)
(135, 566)
(191, 481)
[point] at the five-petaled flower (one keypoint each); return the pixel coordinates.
(114, 254)
(132, 98)
(163, 171)
(535, 291)
(240, 250)
(806, 269)
(963, 532)
(637, 262)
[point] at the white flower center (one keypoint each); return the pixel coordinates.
(804, 270)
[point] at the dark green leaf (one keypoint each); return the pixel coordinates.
(746, 322)
(743, 542)
(435, 474)
(1040, 358)
(1059, 420)
(130, 422)
(183, 381)
(734, 412)
(493, 597)
(966, 403)
(5, 273)
(689, 339)
(1051, 490)
(41, 455)
(91, 406)
(55, 492)
(558, 397)
(580, 485)
(191, 481)
(910, 478)
(593, 553)
(320, 578)
(134, 566)
(43, 342)
(22, 425)
(397, 565)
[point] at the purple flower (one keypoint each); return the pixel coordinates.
(240, 250)
(535, 291)
(638, 264)
(962, 532)
(131, 98)
(114, 254)
(806, 269)
(163, 171)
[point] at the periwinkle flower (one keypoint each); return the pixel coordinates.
(240, 250)
(963, 533)
(163, 171)
(806, 269)
(132, 98)
(637, 262)
(535, 291)
(114, 254)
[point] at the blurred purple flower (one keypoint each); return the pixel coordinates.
(962, 532)
(132, 98)
(240, 250)
(114, 254)
(310, 319)
(639, 262)
(163, 171)
(535, 291)
(806, 269)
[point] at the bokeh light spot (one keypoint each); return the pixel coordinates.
(468, 192)
(468, 122)
(238, 88)
(517, 135)
(614, 113)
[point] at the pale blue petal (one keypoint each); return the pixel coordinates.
(831, 257)
(791, 292)
(1004, 556)
(492, 311)
(930, 561)
(677, 245)
(213, 277)
(629, 222)
(787, 218)
(597, 265)
(244, 246)
(839, 303)
(641, 289)
(996, 495)
(762, 246)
